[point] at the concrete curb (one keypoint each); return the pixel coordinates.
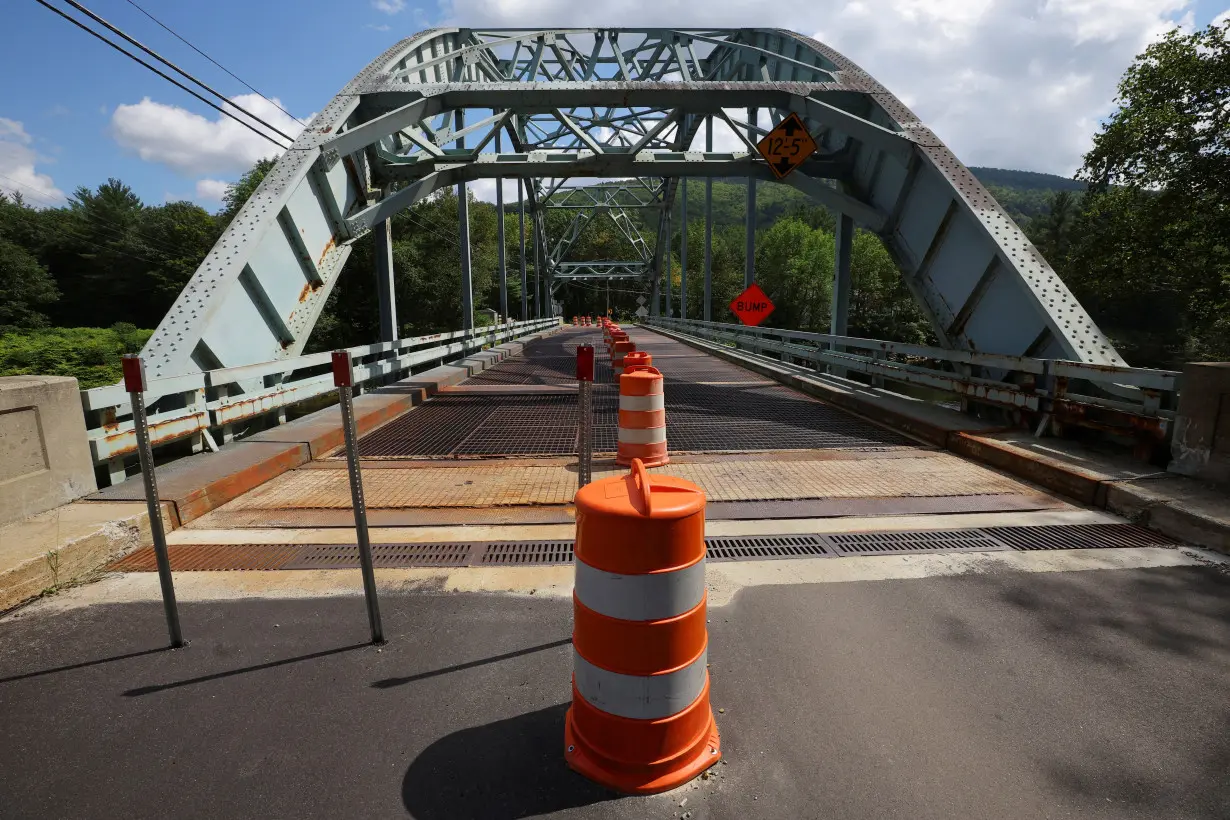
(1167, 513)
(96, 535)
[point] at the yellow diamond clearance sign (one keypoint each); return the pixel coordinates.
(787, 146)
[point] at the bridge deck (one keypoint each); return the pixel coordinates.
(500, 448)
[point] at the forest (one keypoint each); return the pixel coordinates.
(1141, 236)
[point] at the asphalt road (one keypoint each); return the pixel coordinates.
(1095, 694)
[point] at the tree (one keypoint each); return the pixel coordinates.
(25, 286)
(240, 192)
(1150, 252)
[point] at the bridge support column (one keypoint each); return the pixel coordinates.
(499, 230)
(382, 236)
(707, 311)
(669, 265)
(749, 263)
(525, 290)
(537, 264)
(463, 215)
(842, 283)
(683, 250)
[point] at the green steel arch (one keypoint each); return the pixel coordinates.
(449, 106)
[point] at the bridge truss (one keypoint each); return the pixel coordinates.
(550, 107)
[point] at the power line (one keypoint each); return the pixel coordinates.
(161, 74)
(215, 62)
(175, 68)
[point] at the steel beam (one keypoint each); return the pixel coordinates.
(500, 249)
(386, 293)
(613, 103)
(707, 311)
(683, 251)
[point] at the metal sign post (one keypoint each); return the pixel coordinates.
(134, 383)
(585, 437)
(343, 377)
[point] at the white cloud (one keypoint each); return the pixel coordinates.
(1009, 83)
(1222, 19)
(389, 6)
(484, 189)
(194, 145)
(211, 190)
(17, 171)
(381, 27)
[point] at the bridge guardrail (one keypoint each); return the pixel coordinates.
(217, 400)
(1145, 399)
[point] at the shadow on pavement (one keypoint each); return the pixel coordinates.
(389, 683)
(84, 664)
(504, 770)
(161, 687)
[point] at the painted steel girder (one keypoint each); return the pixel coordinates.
(259, 291)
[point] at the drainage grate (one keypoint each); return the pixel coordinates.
(345, 556)
(896, 543)
(767, 547)
(1080, 537)
(528, 552)
(213, 557)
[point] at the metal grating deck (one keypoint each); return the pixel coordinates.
(711, 407)
(194, 557)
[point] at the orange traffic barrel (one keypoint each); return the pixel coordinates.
(575, 321)
(637, 357)
(618, 351)
(642, 418)
(640, 720)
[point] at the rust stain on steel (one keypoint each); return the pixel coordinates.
(124, 442)
(216, 493)
(328, 247)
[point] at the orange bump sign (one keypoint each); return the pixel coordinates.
(787, 146)
(752, 306)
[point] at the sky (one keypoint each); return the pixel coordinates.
(1016, 84)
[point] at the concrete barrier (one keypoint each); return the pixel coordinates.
(44, 456)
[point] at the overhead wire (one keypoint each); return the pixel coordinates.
(175, 68)
(160, 73)
(234, 76)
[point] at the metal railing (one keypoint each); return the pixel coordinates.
(218, 401)
(1144, 400)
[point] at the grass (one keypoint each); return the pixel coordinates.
(89, 354)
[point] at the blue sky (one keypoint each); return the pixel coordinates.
(72, 111)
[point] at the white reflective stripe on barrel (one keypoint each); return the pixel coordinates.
(641, 597)
(650, 435)
(656, 401)
(639, 697)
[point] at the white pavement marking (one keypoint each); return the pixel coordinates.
(554, 532)
(725, 579)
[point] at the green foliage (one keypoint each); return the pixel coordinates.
(1025, 194)
(90, 354)
(239, 193)
(25, 287)
(1147, 251)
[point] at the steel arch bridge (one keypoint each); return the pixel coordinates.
(545, 106)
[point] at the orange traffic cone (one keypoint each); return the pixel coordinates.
(642, 418)
(640, 720)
